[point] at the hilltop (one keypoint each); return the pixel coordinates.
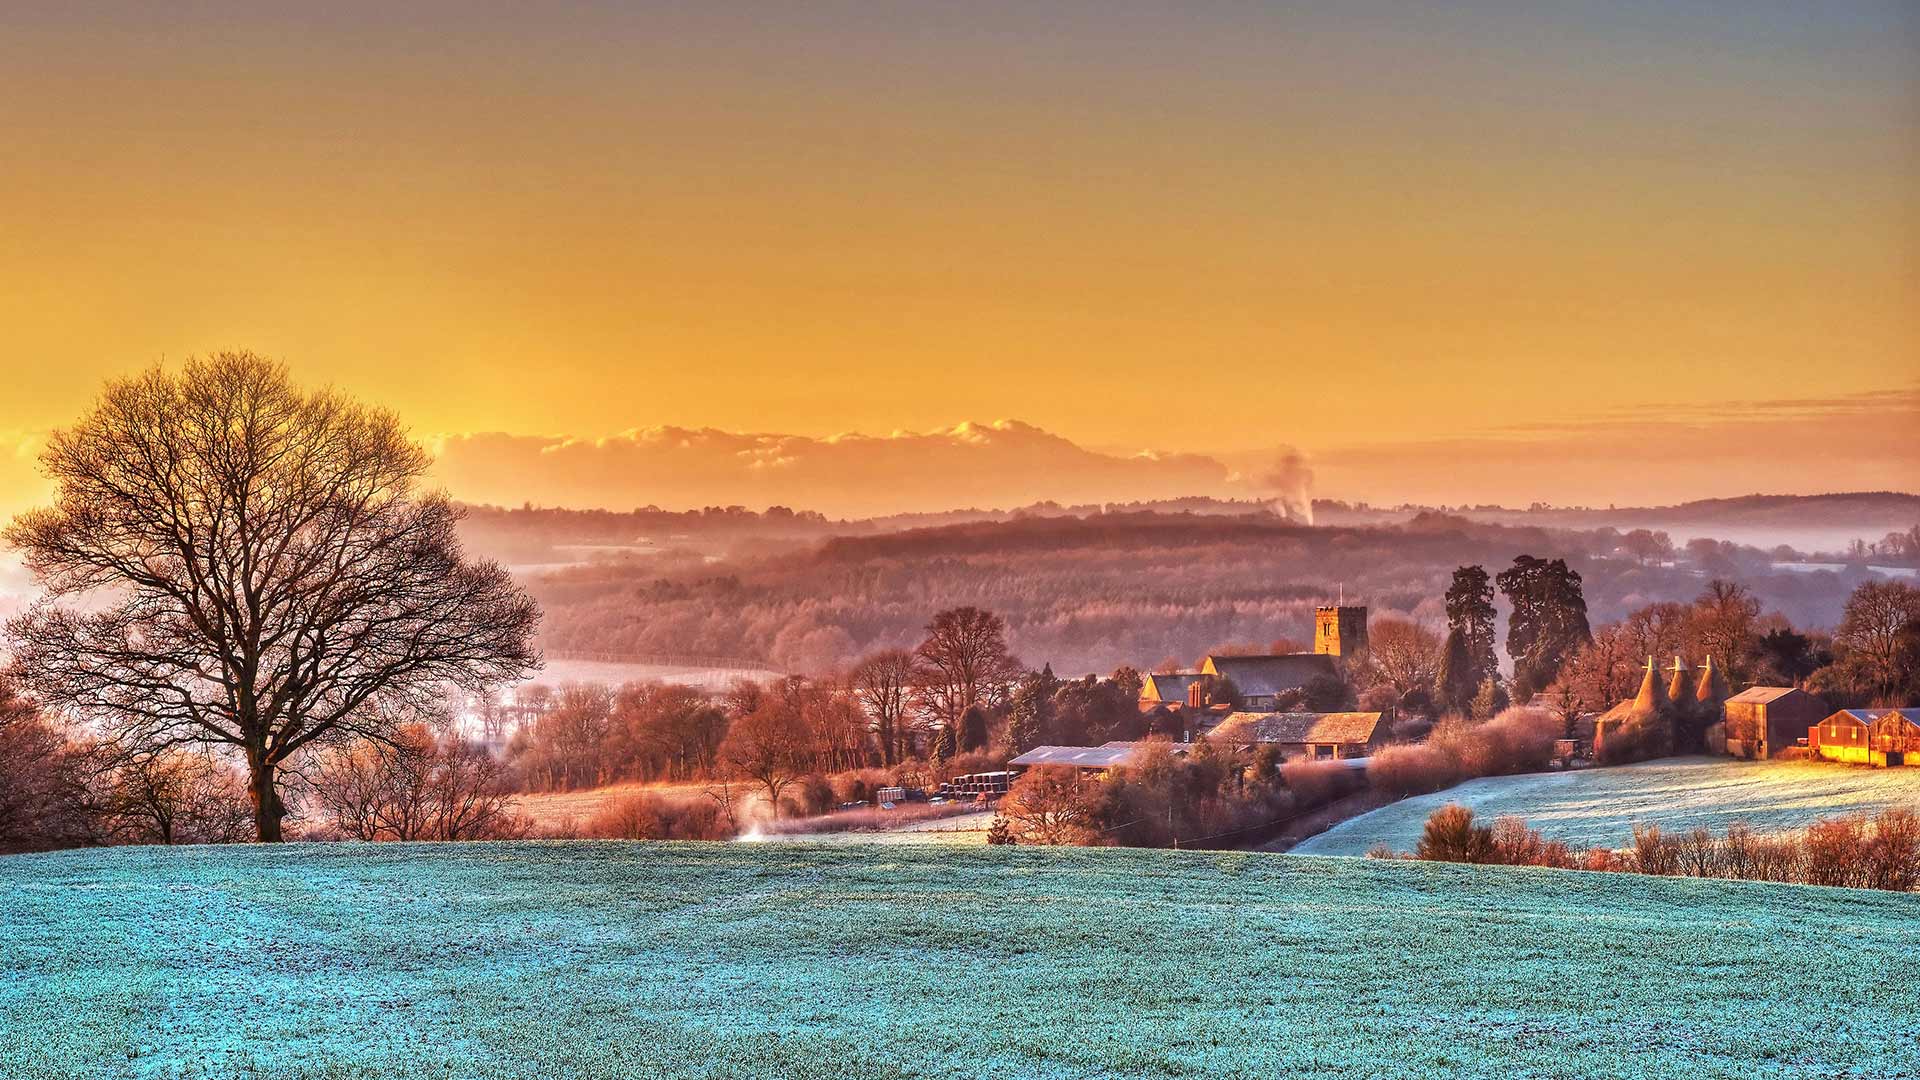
(1600, 807)
(494, 961)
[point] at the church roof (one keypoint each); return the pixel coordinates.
(1264, 676)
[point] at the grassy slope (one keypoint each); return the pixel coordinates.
(1595, 807)
(695, 960)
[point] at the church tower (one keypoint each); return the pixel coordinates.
(1340, 631)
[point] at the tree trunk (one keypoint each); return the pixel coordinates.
(267, 807)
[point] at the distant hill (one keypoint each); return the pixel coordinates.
(1809, 523)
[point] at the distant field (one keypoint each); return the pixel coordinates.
(554, 809)
(558, 672)
(604, 960)
(960, 827)
(1599, 807)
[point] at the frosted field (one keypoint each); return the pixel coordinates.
(600, 960)
(1598, 807)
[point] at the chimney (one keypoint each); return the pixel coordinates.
(1197, 694)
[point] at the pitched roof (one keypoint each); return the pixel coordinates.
(1171, 687)
(1141, 744)
(1349, 728)
(1760, 695)
(1652, 697)
(1712, 685)
(1264, 676)
(1681, 686)
(1868, 716)
(1085, 757)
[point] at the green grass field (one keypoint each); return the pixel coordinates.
(600, 960)
(1599, 807)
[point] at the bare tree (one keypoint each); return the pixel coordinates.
(767, 746)
(46, 781)
(884, 684)
(179, 797)
(1403, 654)
(257, 567)
(963, 662)
(415, 786)
(1047, 806)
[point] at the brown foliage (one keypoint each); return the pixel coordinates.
(1412, 770)
(1881, 852)
(649, 817)
(1450, 835)
(1047, 806)
(1316, 783)
(415, 786)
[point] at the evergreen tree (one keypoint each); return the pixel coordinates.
(1491, 699)
(943, 745)
(1470, 611)
(973, 729)
(1459, 676)
(1031, 714)
(1549, 619)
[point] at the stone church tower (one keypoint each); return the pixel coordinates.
(1340, 631)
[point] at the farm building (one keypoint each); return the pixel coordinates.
(1092, 761)
(1764, 720)
(1884, 737)
(1304, 734)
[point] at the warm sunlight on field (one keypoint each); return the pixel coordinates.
(1600, 807)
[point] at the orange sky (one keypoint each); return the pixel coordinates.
(1399, 240)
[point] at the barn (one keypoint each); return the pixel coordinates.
(1304, 734)
(1092, 761)
(1884, 737)
(1764, 720)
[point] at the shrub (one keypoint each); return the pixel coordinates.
(812, 794)
(1316, 783)
(1451, 836)
(1893, 860)
(860, 785)
(1637, 740)
(1412, 770)
(632, 817)
(1835, 851)
(1882, 852)
(649, 817)
(1047, 806)
(1652, 852)
(1514, 844)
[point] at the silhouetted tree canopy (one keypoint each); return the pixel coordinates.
(232, 560)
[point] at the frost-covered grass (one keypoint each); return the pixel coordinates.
(1599, 807)
(601, 960)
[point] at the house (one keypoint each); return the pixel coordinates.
(1170, 688)
(1764, 720)
(1884, 737)
(1304, 734)
(1261, 679)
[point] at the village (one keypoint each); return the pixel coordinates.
(1241, 701)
